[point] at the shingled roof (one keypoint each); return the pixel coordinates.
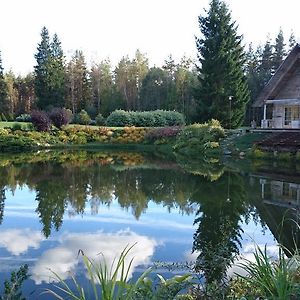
(285, 83)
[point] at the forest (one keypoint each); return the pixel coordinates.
(132, 84)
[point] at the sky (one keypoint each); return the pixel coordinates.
(115, 28)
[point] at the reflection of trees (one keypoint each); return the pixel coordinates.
(217, 238)
(73, 185)
(2, 203)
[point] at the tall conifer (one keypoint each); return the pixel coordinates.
(221, 74)
(3, 90)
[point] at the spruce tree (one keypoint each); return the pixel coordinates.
(42, 70)
(265, 69)
(49, 72)
(3, 90)
(292, 41)
(221, 74)
(279, 51)
(57, 70)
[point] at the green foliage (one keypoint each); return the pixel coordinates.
(23, 118)
(12, 143)
(49, 72)
(100, 120)
(157, 118)
(221, 68)
(200, 139)
(272, 278)
(3, 91)
(12, 287)
(82, 118)
(115, 284)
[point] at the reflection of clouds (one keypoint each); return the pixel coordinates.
(64, 258)
(248, 255)
(17, 241)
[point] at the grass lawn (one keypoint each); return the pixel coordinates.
(24, 125)
(245, 141)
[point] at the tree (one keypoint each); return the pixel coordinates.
(49, 72)
(78, 83)
(154, 90)
(266, 63)
(3, 91)
(292, 41)
(12, 92)
(221, 74)
(57, 73)
(279, 51)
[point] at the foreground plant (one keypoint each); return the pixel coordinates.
(12, 287)
(271, 278)
(112, 282)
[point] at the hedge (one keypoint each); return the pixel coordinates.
(156, 118)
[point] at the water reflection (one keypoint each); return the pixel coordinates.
(105, 190)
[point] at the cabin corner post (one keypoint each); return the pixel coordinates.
(264, 121)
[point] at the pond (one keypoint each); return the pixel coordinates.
(53, 204)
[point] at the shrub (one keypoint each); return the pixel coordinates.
(100, 120)
(59, 117)
(83, 118)
(23, 118)
(200, 139)
(40, 120)
(3, 117)
(162, 133)
(119, 118)
(157, 118)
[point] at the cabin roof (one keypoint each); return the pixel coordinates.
(281, 77)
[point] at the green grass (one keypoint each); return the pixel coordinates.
(23, 125)
(244, 142)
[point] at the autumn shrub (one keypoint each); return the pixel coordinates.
(163, 133)
(40, 120)
(200, 139)
(59, 117)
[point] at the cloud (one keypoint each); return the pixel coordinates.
(18, 241)
(248, 255)
(64, 259)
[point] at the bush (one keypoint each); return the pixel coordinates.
(119, 118)
(59, 117)
(83, 118)
(100, 120)
(157, 118)
(162, 133)
(40, 120)
(3, 117)
(200, 139)
(23, 118)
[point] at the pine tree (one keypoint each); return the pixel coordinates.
(279, 51)
(3, 90)
(49, 72)
(221, 74)
(292, 41)
(78, 83)
(265, 70)
(57, 71)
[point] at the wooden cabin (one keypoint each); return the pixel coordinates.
(281, 96)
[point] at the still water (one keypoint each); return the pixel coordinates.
(53, 204)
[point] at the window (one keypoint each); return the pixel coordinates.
(291, 113)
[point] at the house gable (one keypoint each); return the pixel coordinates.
(285, 83)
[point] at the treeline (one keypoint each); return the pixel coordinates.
(190, 87)
(131, 85)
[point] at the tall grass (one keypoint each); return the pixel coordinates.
(273, 278)
(112, 282)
